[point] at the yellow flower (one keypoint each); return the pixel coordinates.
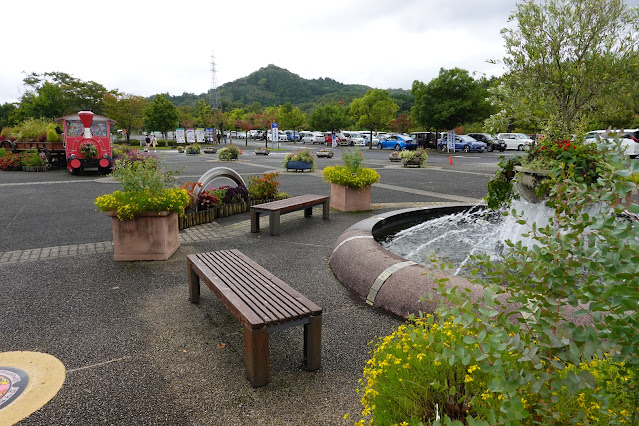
(468, 379)
(437, 363)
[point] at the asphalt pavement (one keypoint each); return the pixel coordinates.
(136, 351)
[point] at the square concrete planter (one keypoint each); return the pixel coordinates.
(151, 236)
(348, 199)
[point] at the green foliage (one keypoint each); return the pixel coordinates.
(374, 111)
(329, 118)
(424, 369)
(88, 150)
(146, 187)
(300, 155)
(52, 134)
(31, 158)
(582, 265)
(584, 58)
(228, 153)
(30, 129)
(193, 148)
(407, 156)
(160, 115)
(451, 99)
(265, 187)
(127, 110)
(351, 174)
(500, 188)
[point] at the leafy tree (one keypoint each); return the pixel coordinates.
(401, 123)
(185, 116)
(127, 110)
(329, 118)
(585, 56)
(374, 111)
(449, 100)
(160, 115)
(290, 117)
(7, 110)
(203, 114)
(52, 94)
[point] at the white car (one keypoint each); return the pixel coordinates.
(518, 141)
(628, 139)
(313, 138)
(281, 137)
(354, 138)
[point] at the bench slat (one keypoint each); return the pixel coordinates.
(235, 305)
(252, 294)
(258, 292)
(274, 287)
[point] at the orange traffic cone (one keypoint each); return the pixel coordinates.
(451, 160)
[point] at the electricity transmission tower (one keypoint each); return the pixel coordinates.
(214, 96)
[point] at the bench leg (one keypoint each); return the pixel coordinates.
(313, 343)
(308, 212)
(274, 222)
(256, 355)
(194, 284)
(327, 207)
(255, 221)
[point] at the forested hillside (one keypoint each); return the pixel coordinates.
(273, 85)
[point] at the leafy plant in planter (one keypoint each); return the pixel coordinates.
(417, 157)
(193, 149)
(88, 150)
(229, 153)
(146, 187)
(32, 159)
(303, 155)
(351, 174)
(264, 188)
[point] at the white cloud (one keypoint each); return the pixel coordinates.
(145, 47)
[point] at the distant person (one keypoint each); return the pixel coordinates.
(154, 142)
(147, 143)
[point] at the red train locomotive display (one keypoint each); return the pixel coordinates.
(87, 142)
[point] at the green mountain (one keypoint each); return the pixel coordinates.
(273, 85)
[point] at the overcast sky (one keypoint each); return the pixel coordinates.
(144, 47)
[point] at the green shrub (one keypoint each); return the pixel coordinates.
(264, 188)
(52, 134)
(423, 371)
(31, 129)
(302, 155)
(32, 159)
(228, 153)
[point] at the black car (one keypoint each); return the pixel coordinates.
(425, 139)
(492, 142)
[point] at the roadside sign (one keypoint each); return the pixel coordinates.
(274, 135)
(450, 141)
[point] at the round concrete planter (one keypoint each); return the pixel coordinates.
(150, 236)
(348, 199)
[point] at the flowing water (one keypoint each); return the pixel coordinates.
(453, 238)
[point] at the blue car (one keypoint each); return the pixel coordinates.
(464, 143)
(396, 142)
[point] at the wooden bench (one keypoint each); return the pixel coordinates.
(261, 302)
(276, 208)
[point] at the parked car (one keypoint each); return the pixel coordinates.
(354, 138)
(464, 143)
(291, 135)
(425, 139)
(367, 135)
(396, 142)
(518, 141)
(313, 138)
(281, 137)
(629, 139)
(490, 140)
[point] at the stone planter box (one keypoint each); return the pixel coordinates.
(349, 200)
(413, 162)
(394, 156)
(299, 165)
(261, 151)
(151, 236)
(210, 150)
(325, 154)
(527, 182)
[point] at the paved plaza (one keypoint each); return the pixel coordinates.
(136, 351)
